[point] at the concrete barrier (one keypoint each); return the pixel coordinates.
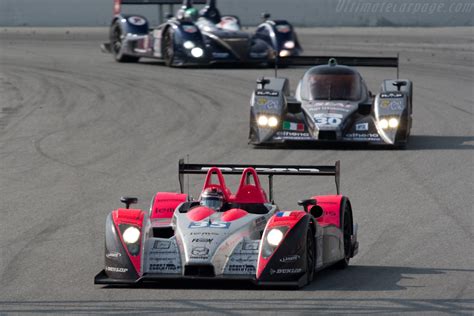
(299, 12)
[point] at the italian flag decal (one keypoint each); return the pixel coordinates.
(290, 126)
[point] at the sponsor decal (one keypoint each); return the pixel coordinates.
(206, 224)
(242, 268)
(329, 105)
(248, 258)
(204, 240)
(159, 244)
(385, 103)
(362, 127)
(289, 259)
(267, 93)
(290, 135)
(262, 101)
(200, 251)
(169, 259)
(204, 233)
(163, 266)
(290, 126)
(220, 55)
(330, 213)
(161, 252)
(396, 105)
(391, 95)
(114, 255)
(283, 28)
(116, 269)
(137, 20)
(260, 221)
(331, 119)
(363, 137)
(250, 246)
(189, 29)
(286, 271)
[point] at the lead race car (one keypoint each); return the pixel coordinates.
(332, 104)
(195, 37)
(230, 236)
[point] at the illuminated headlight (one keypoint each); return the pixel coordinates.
(393, 123)
(383, 123)
(284, 53)
(272, 121)
(289, 45)
(197, 52)
(131, 235)
(274, 237)
(189, 45)
(262, 120)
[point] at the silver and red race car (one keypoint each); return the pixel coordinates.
(225, 235)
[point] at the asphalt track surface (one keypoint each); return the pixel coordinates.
(78, 130)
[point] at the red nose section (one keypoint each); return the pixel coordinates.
(199, 213)
(233, 215)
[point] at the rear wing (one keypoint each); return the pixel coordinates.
(382, 62)
(268, 170)
(118, 3)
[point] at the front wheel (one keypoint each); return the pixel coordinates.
(116, 45)
(168, 48)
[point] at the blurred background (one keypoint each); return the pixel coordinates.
(303, 12)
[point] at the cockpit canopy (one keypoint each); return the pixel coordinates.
(331, 83)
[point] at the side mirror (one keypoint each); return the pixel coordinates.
(316, 210)
(293, 105)
(265, 16)
(128, 200)
(365, 108)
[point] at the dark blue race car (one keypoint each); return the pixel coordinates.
(193, 37)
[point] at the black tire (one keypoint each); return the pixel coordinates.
(168, 48)
(346, 220)
(310, 255)
(116, 45)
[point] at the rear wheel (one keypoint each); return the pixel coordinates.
(310, 254)
(116, 45)
(346, 220)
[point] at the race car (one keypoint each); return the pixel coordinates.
(332, 104)
(195, 37)
(232, 236)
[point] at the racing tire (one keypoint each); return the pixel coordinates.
(116, 45)
(346, 220)
(168, 48)
(310, 255)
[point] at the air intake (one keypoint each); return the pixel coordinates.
(199, 271)
(327, 135)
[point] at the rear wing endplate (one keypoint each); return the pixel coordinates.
(268, 170)
(118, 3)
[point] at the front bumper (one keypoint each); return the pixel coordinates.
(102, 278)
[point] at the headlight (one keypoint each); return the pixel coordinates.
(188, 45)
(274, 237)
(284, 53)
(131, 235)
(383, 123)
(262, 120)
(289, 45)
(393, 122)
(197, 52)
(272, 121)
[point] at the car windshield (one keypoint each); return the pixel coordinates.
(331, 87)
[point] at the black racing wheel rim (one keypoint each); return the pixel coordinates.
(310, 254)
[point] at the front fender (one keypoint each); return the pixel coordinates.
(132, 24)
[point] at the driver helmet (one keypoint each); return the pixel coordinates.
(212, 198)
(229, 23)
(191, 14)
